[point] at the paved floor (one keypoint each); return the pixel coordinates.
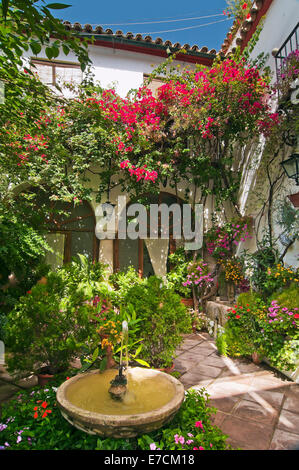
(258, 408)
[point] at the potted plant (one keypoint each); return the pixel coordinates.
(177, 274)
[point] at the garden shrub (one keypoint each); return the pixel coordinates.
(178, 273)
(242, 332)
(32, 421)
(287, 297)
(272, 332)
(164, 319)
(122, 282)
(49, 325)
(249, 298)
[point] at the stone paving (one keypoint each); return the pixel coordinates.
(258, 408)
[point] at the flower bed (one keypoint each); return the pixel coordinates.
(270, 331)
(32, 421)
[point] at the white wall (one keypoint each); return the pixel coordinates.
(125, 69)
(280, 20)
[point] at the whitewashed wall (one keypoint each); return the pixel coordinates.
(280, 20)
(124, 69)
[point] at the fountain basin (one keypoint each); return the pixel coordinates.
(85, 403)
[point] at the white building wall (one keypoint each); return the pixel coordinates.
(280, 20)
(115, 67)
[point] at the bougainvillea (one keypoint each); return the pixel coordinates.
(187, 131)
(221, 241)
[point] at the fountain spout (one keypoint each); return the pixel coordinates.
(119, 384)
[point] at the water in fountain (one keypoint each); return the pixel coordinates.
(132, 392)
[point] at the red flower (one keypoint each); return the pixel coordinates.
(35, 408)
(296, 315)
(29, 292)
(238, 316)
(44, 415)
(35, 415)
(44, 404)
(244, 6)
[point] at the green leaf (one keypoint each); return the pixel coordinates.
(57, 6)
(49, 52)
(95, 354)
(103, 364)
(143, 363)
(35, 47)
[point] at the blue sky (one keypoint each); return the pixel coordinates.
(100, 12)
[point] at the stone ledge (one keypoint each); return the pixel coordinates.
(217, 311)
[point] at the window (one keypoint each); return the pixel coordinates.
(71, 229)
(53, 72)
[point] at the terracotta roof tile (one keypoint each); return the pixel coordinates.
(98, 30)
(243, 30)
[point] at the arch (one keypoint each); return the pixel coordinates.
(137, 252)
(74, 225)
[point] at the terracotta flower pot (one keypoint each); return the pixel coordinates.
(187, 302)
(43, 379)
(167, 369)
(256, 359)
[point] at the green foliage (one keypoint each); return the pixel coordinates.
(287, 297)
(164, 319)
(270, 331)
(242, 332)
(280, 277)
(56, 320)
(23, 431)
(258, 263)
(221, 342)
(179, 262)
(123, 281)
(21, 248)
(249, 298)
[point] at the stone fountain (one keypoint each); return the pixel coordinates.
(135, 401)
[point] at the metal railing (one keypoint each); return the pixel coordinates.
(290, 45)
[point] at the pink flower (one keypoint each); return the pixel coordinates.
(198, 424)
(179, 439)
